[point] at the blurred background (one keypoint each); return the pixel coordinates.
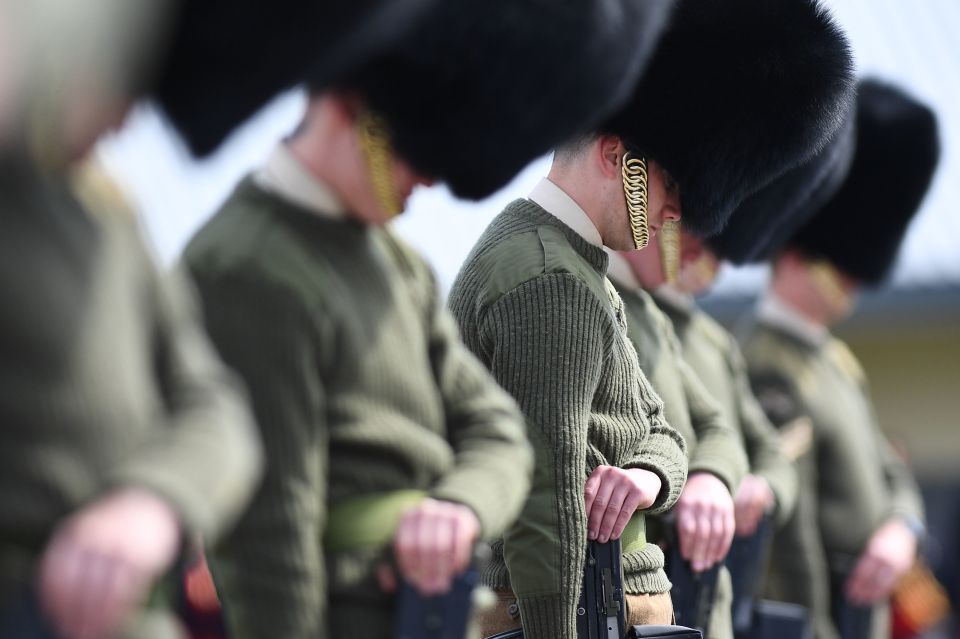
(907, 335)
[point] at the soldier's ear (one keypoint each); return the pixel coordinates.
(609, 153)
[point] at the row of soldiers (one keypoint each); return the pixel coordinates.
(570, 391)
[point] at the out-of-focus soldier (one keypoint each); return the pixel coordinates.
(124, 438)
(859, 516)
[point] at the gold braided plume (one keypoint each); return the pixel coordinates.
(826, 279)
(377, 152)
(669, 240)
(634, 171)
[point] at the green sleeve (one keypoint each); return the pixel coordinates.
(204, 458)
(270, 569)
(718, 450)
(494, 461)
(760, 436)
(905, 499)
(665, 451)
(544, 345)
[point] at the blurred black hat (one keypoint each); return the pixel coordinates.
(761, 224)
(227, 58)
(737, 92)
(480, 89)
(861, 227)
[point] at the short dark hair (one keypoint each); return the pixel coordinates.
(574, 147)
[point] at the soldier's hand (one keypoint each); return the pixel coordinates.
(612, 495)
(102, 561)
(754, 499)
(434, 543)
(705, 523)
(890, 553)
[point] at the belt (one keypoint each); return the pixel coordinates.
(368, 521)
(634, 537)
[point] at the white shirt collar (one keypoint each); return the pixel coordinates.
(285, 175)
(557, 203)
(774, 311)
(619, 271)
(675, 297)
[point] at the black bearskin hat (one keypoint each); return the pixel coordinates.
(737, 92)
(861, 227)
(228, 58)
(767, 218)
(481, 88)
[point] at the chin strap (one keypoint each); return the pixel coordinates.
(634, 172)
(669, 240)
(377, 151)
(827, 281)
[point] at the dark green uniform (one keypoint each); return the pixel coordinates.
(533, 302)
(851, 481)
(713, 446)
(107, 380)
(362, 389)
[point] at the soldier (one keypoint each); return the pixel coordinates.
(859, 517)
(124, 437)
(382, 430)
(533, 303)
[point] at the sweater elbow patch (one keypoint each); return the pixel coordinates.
(532, 546)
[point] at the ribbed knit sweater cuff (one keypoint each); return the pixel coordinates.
(643, 572)
(494, 574)
(548, 617)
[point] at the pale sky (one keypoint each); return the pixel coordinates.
(912, 43)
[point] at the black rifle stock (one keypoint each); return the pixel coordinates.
(693, 593)
(444, 616)
(779, 620)
(851, 620)
(23, 619)
(745, 561)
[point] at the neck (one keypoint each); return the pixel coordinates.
(321, 151)
(800, 305)
(579, 191)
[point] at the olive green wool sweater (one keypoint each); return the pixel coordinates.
(533, 303)
(714, 353)
(106, 379)
(361, 387)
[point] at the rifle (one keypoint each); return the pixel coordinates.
(444, 616)
(852, 621)
(745, 562)
(693, 593)
(602, 608)
(779, 620)
(25, 620)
